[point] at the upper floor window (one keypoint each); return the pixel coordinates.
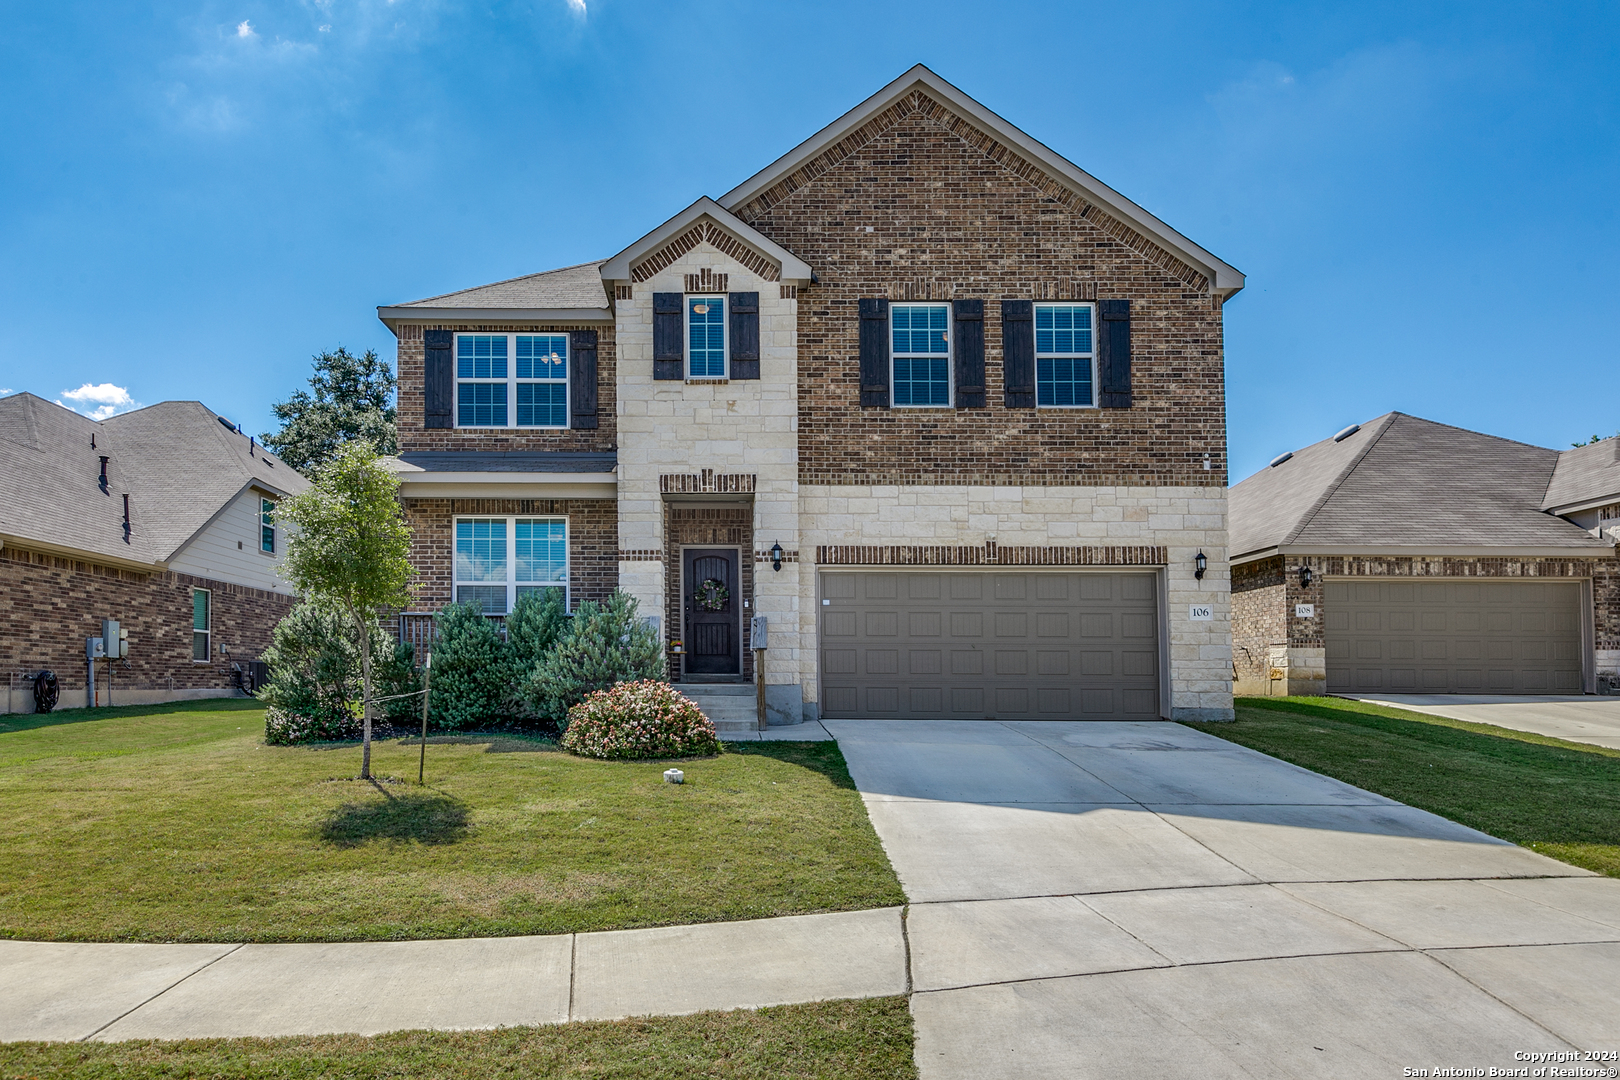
(706, 337)
(267, 526)
(921, 353)
(495, 372)
(499, 559)
(1065, 358)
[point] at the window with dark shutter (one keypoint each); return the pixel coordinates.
(744, 335)
(1114, 354)
(669, 352)
(438, 379)
(968, 317)
(1018, 353)
(875, 353)
(582, 379)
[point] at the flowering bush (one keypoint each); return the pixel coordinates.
(643, 719)
(283, 727)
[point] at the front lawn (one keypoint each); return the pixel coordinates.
(852, 1040)
(1559, 798)
(177, 823)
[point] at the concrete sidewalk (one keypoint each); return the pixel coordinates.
(1146, 900)
(109, 992)
(1594, 720)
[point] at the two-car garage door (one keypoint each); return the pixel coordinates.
(1453, 637)
(974, 645)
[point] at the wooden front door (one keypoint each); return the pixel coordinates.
(713, 631)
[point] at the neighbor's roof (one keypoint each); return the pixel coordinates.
(179, 465)
(1586, 476)
(569, 294)
(1223, 278)
(1403, 485)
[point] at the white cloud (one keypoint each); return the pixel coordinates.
(244, 29)
(577, 7)
(6, 391)
(326, 29)
(98, 400)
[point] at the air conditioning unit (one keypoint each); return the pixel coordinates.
(1609, 685)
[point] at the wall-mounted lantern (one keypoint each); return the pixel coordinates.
(1305, 577)
(1200, 564)
(776, 556)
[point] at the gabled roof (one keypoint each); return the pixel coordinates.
(622, 266)
(1586, 476)
(569, 294)
(1401, 484)
(179, 465)
(1223, 278)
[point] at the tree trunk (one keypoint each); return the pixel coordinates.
(365, 694)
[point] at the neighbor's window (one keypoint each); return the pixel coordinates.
(499, 559)
(494, 371)
(1064, 356)
(267, 526)
(922, 354)
(706, 337)
(201, 645)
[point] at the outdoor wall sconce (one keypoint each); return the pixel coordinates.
(776, 556)
(1200, 564)
(1305, 577)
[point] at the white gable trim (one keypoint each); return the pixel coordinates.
(1224, 278)
(794, 269)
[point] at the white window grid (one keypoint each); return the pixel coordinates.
(949, 356)
(267, 526)
(512, 381)
(1087, 357)
(512, 585)
(725, 336)
(203, 635)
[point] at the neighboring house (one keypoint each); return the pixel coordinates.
(944, 408)
(1402, 556)
(162, 519)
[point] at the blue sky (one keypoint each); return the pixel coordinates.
(197, 196)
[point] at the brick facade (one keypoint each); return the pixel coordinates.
(922, 205)
(54, 603)
(415, 438)
(593, 543)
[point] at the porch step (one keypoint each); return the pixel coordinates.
(732, 706)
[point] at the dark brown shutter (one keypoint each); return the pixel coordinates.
(1114, 353)
(669, 351)
(582, 379)
(438, 379)
(744, 335)
(875, 353)
(1018, 353)
(968, 347)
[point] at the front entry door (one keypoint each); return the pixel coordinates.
(713, 631)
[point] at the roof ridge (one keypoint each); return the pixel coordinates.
(505, 281)
(1338, 481)
(1471, 431)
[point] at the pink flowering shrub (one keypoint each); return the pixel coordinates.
(645, 719)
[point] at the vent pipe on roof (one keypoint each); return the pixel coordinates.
(126, 517)
(103, 481)
(1347, 432)
(1280, 458)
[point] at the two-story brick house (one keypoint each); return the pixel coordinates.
(944, 408)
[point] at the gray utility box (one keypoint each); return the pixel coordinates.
(758, 629)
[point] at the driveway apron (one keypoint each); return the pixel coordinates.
(1147, 900)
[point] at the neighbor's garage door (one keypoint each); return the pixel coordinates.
(1452, 637)
(977, 645)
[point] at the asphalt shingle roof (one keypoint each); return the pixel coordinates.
(179, 465)
(1403, 482)
(567, 287)
(1585, 474)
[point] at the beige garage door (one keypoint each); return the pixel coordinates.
(989, 645)
(1453, 637)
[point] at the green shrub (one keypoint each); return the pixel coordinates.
(472, 672)
(395, 680)
(314, 689)
(283, 728)
(644, 719)
(538, 621)
(605, 644)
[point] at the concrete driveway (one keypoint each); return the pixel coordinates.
(1579, 719)
(1146, 900)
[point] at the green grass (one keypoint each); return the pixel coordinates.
(177, 823)
(1559, 798)
(850, 1040)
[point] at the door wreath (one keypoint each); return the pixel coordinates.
(712, 595)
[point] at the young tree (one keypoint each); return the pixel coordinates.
(350, 397)
(351, 547)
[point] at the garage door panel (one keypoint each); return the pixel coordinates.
(1047, 644)
(1466, 636)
